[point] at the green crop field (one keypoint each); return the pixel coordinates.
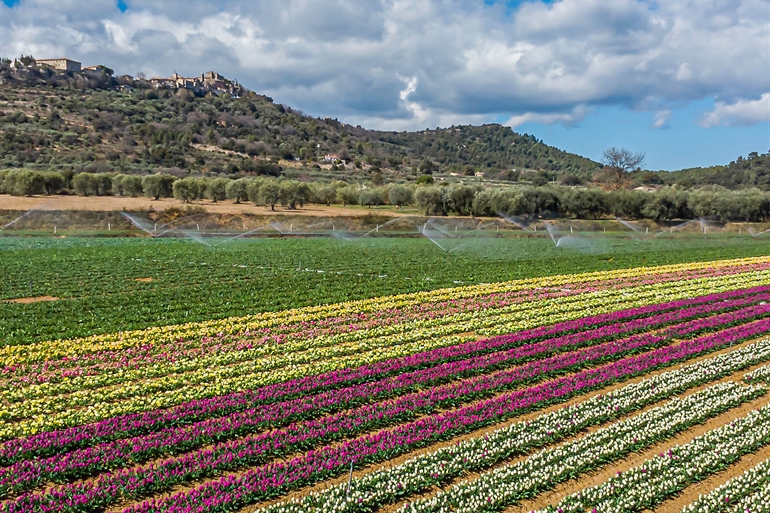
(206, 408)
(109, 284)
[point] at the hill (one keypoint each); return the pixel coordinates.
(753, 171)
(94, 122)
(211, 126)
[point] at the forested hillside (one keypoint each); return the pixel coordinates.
(753, 171)
(82, 122)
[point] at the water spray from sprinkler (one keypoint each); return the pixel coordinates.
(516, 220)
(244, 234)
(138, 223)
(25, 214)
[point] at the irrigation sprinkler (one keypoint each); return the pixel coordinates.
(138, 223)
(553, 233)
(632, 226)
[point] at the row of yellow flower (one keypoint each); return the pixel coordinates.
(11, 355)
(90, 406)
(300, 352)
(304, 350)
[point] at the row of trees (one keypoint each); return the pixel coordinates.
(667, 203)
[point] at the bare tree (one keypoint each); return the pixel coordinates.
(618, 163)
(622, 159)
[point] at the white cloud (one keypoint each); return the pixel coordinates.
(684, 72)
(572, 118)
(418, 117)
(662, 119)
(469, 62)
(742, 112)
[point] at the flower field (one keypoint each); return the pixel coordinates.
(609, 391)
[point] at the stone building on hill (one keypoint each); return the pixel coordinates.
(63, 64)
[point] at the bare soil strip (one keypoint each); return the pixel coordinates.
(117, 204)
(30, 300)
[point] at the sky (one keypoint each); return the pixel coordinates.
(687, 82)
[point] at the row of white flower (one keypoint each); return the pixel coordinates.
(661, 477)
(498, 488)
(735, 493)
(416, 474)
(760, 375)
(758, 502)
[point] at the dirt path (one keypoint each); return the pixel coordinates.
(29, 300)
(117, 204)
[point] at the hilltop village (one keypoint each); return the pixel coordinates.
(29, 69)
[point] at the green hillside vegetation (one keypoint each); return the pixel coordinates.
(753, 171)
(81, 122)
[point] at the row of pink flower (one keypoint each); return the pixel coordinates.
(199, 411)
(262, 448)
(302, 436)
(110, 455)
(495, 300)
(56, 442)
(723, 321)
(255, 449)
(275, 478)
(104, 361)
